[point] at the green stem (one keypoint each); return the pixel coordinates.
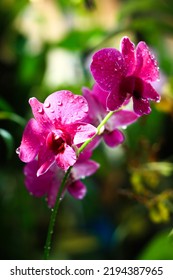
(53, 215)
(62, 186)
(103, 122)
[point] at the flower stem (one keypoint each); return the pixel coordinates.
(62, 186)
(53, 215)
(103, 122)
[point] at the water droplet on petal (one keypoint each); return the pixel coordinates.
(40, 110)
(59, 103)
(119, 58)
(47, 104)
(18, 151)
(52, 111)
(85, 109)
(81, 100)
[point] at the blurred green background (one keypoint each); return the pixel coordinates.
(46, 45)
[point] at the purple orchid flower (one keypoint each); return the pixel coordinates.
(55, 131)
(48, 184)
(127, 73)
(111, 134)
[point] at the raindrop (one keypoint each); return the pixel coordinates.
(40, 110)
(59, 103)
(119, 58)
(81, 100)
(18, 150)
(47, 104)
(71, 100)
(52, 111)
(85, 109)
(158, 101)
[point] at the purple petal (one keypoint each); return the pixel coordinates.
(116, 99)
(66, 159)
(63, 107)
(39, 114)
(113, 138)
(122, 118)
(146, 64)
(128, 53)
(96, 110)
(100, 95)
(84, 169)
(31, 141)
(82, 132)
(77, 189)
(141, 106)
(53, 190)
(150, 93)
(38, 186)
(107, 68)
(45, 160)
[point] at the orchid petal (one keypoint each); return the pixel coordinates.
(114, 138)
(84, 169)
(123, 118)
(150, 93)
(141, 106)
(107, 68)
(96, 110)
(146, 64)
(31, 141)
(100, 95)
(37, 186)
(66, 159)
(77, 189)
(82, 132)
(128, 53)
(45, 160)
(63, 107)
(116, 98)
(39, 114)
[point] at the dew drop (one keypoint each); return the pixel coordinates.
(85, 109)
(52, 111)
(119, 58)
(18, 151)
(59, 103)
(81, 100)
(47, 104)
(40, 110)
(71, 100)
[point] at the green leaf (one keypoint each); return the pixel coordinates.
(8, 139)
(12, 117)
(159, 248)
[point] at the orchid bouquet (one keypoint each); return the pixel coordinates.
(58, 143)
